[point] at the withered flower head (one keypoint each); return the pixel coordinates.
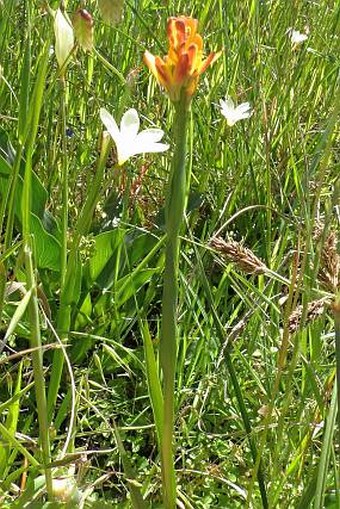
(243, 257)
(83, 28)
(180, 69)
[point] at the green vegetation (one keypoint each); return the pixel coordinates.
(83, 249)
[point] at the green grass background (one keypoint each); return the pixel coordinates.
(266, 182)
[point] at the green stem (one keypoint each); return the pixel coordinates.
(67, 292)
(65, 191)
(58, 355)
(38, 370)
(109, 66)
(33, 307)
(175, 208)
(336, 312)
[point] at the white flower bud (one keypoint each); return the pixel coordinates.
(64, 38)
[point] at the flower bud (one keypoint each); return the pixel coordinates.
(83, 29)
(65, 490)
(64, 38)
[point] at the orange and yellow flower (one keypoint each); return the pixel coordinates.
(180, 69)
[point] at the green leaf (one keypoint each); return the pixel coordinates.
(20, 310)
(154, 385)
(39, 193)
(47, 248)
(130, 285)
(105, 245)
(138, 246)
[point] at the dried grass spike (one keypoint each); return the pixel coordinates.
(243, 257)
(329, 271)
(315, 309)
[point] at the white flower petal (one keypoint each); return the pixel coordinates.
(240, 115)
(123, 147)
(129, 125)
(124, 151)
(150, 135)
(232, 113)
(150, 148)
(229, 103)
(229, 115)
(222, 104)
(147, 141)
(244, 115)
(296, 37)
(244, 107)
(127, 139)
(110, 124)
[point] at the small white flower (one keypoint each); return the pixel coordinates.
(64, 37)
(127, 139)
(296, 37)
(234, 113)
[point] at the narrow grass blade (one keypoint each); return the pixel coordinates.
(327, 443)
(11, 420)
(10, 438)
(155, 390)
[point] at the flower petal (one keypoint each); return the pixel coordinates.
(234, 114)
(129, 125)
(296, 37)
(147, 141)
(110, 124)
(231, 120)
(208, 61)
(150, 61)
(243, 107)
(150, 148)
(152, 134)
(228, 104)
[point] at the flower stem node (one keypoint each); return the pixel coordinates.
(178, 72)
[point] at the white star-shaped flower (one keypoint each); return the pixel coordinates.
(128, 140)
(296, 37)
(234, 113)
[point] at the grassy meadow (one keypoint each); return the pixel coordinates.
(125, 383)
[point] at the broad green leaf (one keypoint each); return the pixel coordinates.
(130, 285)
(39, 193)
(47, 248)
(138, 246)
(105, 244)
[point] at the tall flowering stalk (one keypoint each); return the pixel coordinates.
(178, 73)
